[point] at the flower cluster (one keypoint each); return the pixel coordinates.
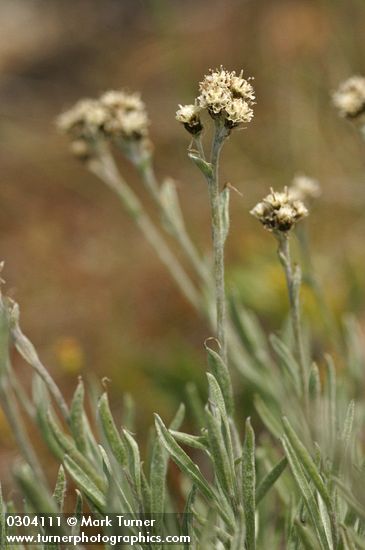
(83, 122)
(116, 115)
(125, 115)
(279, 211)
(304, 188)
(223, 94)
(350, 97)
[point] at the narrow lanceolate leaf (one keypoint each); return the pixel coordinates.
(134, 461)
(269, 480)
(325, 520)
(84, 483)
(222, 467)
(60, 489)
(110, 431)
(205, 167)
(219, 412)
(195, 441)
(220, 371)
(216, 397)
(312, 472)
(158, 470)
(182, 459)
(70, 449)
(46, 432)
(306, 493)
(249, 484)
(77, 417)
(159, 463)
(346, 434)
(307, 462)
(146, 493)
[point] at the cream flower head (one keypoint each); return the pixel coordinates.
(125, 115)
(84, 119)
(224, 93)
(84, 123)
(350, 97)
(279, 212)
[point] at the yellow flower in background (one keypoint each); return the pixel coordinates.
(70, 355)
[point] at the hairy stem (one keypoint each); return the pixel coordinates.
(220, 135)
(293, 279)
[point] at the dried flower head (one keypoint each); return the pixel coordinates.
(350, 97)
(84, 120)
(228, 95)
(304, 188)
(125, 115)
(238, 111)
(279, 211)
(189, 116)
(83, 123)
(224, 93)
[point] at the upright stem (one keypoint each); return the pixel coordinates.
(220, 135)
(293, 280)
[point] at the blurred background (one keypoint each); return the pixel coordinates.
(94, 298)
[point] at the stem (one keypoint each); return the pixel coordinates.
(105, 168)
(220, 135)
(293, 279)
